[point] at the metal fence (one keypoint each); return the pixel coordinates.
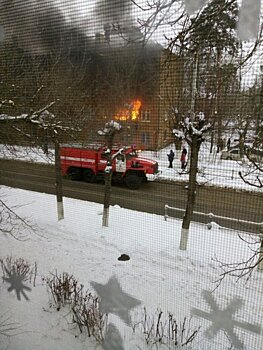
(222, 221)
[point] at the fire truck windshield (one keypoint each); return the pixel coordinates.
(131, 154)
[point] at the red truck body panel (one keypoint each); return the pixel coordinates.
(77, 157)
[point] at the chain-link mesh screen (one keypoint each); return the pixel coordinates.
(131, 174)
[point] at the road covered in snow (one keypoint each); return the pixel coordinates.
(153, 196)
(213, 171)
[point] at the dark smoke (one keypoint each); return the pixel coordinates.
(39, 27)
(2, 33)
(114, 12)
(45, 29)
(44, 26)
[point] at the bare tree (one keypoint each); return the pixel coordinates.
(161, 13)
(200, 29)
(244, 268)
(192, 130)
(39, 80)
(11, 223)
(255, 169)
(46, 121)
(253, 177)
(109, 131)
(254, 153)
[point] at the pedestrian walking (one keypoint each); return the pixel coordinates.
(170, 158)
(183, 158)
(228, 144)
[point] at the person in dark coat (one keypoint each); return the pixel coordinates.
(228, 144)
(183, 158)
(170, 158)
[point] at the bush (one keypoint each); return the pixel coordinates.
(164, 330)
(20, 267)
(67, 291)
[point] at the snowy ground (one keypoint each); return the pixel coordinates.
(158, 275)
(212, 170)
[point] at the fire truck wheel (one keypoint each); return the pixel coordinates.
(133, 182)
(88, 175)
(74, 174)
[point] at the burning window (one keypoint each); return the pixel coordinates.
(131, 112)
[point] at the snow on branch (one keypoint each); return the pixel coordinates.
(43, 119)
(9, 103)
(120, 151)
(179, 134)
(43, 111)
(109, 128)
(192, 126)
(13, 118)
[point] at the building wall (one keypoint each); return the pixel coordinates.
(149, 131)
(169, 96)
(153, 129)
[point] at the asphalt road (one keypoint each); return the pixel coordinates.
(151, 197)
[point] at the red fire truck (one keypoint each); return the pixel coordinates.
(89, 164)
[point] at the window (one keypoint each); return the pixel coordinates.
(164, 135)
(145, 115)
(131, 155)
(145, 137)
(120, 157)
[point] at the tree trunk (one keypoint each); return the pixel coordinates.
(191, 193)
(59, 194)
(179, 84)
(260, 259)
(107, 194)
(218, 102)
(212, 142)
(107, 189)
(194, 88)
(259, 114)
(241, 146)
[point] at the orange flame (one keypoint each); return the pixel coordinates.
(136, 109)
(130, 113)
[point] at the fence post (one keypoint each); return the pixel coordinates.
(209, 224)
(260, 257)
(165, 212)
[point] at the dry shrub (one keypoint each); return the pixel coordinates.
(163, 329)
(67, 291)
(158, 329)
(88, 316)
(21, 267)
(64, 289)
